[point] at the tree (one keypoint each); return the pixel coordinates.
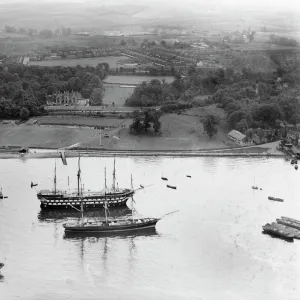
(86, 93)
(145, 119)
(235, 117)
(97, 96)
(210, 125)
(242, 126)
(24, 113)
(10, 29)
(267, 113)
(46, 33)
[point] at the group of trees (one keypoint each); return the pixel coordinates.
(31, 86)
(152, 93)
(258, 101)
(47, 33)
(146, 119)
(281, 40)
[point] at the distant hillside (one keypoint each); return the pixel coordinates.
(107, 14)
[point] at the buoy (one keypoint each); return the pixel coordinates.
(296, 167)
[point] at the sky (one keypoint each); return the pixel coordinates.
(271, 4)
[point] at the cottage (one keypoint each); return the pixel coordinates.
(236, 136)
(31, 122)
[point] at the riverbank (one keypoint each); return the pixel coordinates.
(266, 150)
(131, 154)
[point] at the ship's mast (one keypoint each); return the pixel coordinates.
(132, 201)
(55, 178)
(105, 202)
(81, 208)
(114, 175)
(78, 177)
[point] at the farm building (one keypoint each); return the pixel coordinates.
(236, 136)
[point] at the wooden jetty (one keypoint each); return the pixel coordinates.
(285, 228)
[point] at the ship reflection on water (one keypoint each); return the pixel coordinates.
(82, 241)
(54, 215)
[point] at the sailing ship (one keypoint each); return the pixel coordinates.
(63, 199)
(113, 226)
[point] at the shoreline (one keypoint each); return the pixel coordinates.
(131, 153)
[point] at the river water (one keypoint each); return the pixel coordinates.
(211, 249)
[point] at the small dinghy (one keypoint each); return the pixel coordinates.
(171, 187)
(142, 186)
(296, 167)
(33, 184)
(254, 187)
(1, 266)
(164, 178)
(189, 176)
(275, 199)
(2, 197)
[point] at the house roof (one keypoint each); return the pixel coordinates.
(236, 135)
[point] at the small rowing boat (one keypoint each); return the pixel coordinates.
(275, 199)
(171, 187)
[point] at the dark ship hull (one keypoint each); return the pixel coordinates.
(50, 200)
(113, 227)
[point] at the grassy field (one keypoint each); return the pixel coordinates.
(116, 94)
(178, 132)
(111, 60)
(36, 136)
(135, 79)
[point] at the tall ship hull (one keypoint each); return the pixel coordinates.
(114, 227)
(114, 197)
(64, 200)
